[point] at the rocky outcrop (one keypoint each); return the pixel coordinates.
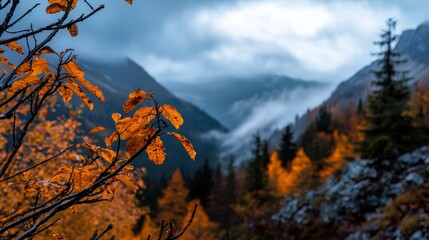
(368, 199)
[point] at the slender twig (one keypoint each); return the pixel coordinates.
(95, 236)
(23, 15)
(54, 26)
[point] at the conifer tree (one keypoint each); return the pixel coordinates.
(256, 168)
(287, 149)
(323, 120)
(172, 206)
(202, 183)
(388, 131)
(343, 150)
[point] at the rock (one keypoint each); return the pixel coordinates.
(361, 191)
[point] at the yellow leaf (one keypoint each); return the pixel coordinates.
(23, 83)
(39, 65)
(125, 180)
(134, 98)
(46, 50)
(6, 62)
(134, 145)
(73, 30)
(15, 47)
(74, 71)
(108, 155)
(186, 144)
(110, 139)
(79, 92)
(172, 115)
(65, 93)
(146, 114)
(96, 130)
(25, 67)
(156, 151)
(116, 117)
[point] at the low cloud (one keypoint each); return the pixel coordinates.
(264, 115)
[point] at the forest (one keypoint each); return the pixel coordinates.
(349, 169)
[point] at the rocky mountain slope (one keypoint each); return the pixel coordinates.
(117, 79)
(413, 46)
(368, 199)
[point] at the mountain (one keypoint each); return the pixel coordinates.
(413, 46)
(117, 79)
(251, 105)
(230, 99)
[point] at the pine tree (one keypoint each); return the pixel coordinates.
(388, 132)
(172, 206)
(256, 168)
(287, 149)
(323, 120)
(202, 183)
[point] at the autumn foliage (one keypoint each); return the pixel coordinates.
(50, 177)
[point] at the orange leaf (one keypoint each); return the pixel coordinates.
(110, 139)
(96, 130)
(6, 62)
(108, 155)
(172, 115)
(73, 30)
(129, 1)
(156, 151)
(186, 144)
(79, 92)
(23, 83)
(74, 70)
(125, 180)
(15, 47)
(134, 98)
(1, 50)
(54, 8)
(25, 67)
(39, 65)
(3, 70)
(116, 117)
(46, 50)
(63, 3)
(134, 145)
(146, 114)
(65, 93)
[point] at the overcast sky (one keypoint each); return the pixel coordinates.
(200, 40)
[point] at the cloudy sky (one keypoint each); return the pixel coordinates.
(200, 40)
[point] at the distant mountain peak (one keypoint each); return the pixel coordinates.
(414, 43)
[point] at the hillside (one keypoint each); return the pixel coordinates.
(364, 201)
(413, 46)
